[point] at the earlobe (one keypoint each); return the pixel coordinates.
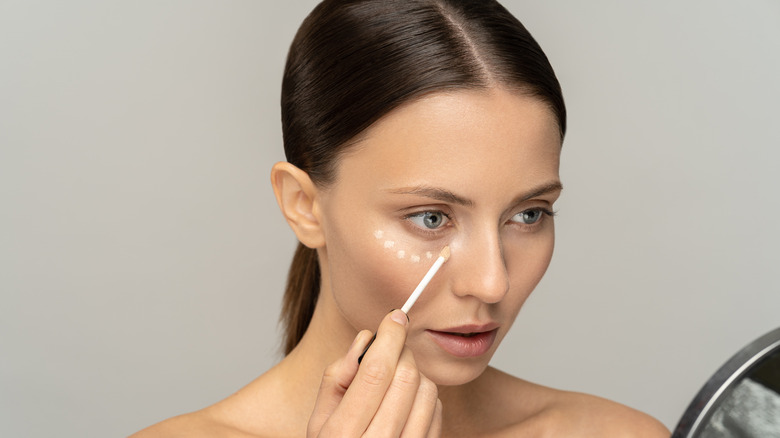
(296, 195)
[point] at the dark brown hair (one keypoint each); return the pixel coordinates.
(353, 61)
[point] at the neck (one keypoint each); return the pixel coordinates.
(327, 338)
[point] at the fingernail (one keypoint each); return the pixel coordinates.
(400, 317)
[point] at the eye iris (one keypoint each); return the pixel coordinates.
(432, 220)
(531, 216)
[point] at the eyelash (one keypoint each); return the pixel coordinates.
(546, 212)
(435, 232)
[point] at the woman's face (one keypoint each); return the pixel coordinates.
(475, 170)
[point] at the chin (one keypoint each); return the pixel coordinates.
(453, 373)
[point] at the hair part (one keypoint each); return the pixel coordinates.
(354, 61)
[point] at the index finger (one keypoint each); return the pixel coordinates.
(335, 382)
(365, 393)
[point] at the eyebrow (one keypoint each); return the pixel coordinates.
(434, 193)
(554, 186)
(449, 197)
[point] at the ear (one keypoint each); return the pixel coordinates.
(296, 195)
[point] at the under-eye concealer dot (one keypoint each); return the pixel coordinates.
(429, 255)
(415, 258)
(401, 254)
(378, 234)
(389, 244)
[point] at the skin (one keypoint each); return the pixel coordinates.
(483, 162)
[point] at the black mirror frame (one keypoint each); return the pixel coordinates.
(720, 385)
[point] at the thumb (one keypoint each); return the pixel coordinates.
(335, 382)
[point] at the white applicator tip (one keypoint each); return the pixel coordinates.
(444, 255)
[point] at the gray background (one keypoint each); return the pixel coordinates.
(142, 256)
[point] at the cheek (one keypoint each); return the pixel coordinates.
(527, 264)
(373, 273)
(405, 249)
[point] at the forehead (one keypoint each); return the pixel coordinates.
(466, 139)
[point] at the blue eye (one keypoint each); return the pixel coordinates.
(430, 220)
(530, 217)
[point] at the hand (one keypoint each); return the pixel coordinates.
(386, 395)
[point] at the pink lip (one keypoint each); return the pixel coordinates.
(478, 342)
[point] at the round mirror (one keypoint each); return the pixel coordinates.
(742, 399)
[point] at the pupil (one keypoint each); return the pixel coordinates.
(431, 220)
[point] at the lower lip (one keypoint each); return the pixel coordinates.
(463, 346)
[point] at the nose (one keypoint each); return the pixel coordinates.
(481, 269)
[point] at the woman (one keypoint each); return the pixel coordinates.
(411, 126)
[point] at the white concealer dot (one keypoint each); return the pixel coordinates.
(415, 258)
(389, 244)
(429, 255)
(378, 234)
(401, 254)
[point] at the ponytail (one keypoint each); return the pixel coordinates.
(300, 295)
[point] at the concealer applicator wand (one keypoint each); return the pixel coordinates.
(444, 255)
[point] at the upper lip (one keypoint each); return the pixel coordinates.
(470, 328)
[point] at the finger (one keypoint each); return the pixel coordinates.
(397, 319)
(393, 326)
(422, 415)
(335, 381)
(394, 411)
(367, 389)
(435, 430)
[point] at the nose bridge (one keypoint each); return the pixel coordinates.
(482, 269)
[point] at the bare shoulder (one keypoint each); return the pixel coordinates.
(200, 424)
(548, 412)
(587, 415)
(260, 409)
